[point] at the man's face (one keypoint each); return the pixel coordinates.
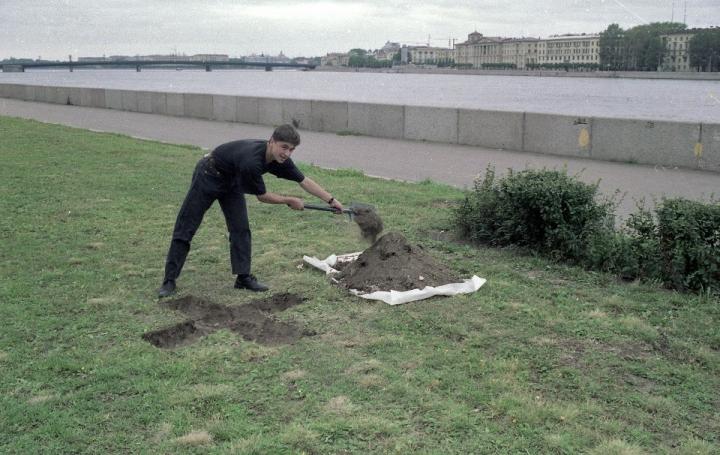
(281, 151)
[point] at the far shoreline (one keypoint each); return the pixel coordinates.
(408, 69)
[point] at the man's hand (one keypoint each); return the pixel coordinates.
(336, 205)
(295, 203)
(316, 190)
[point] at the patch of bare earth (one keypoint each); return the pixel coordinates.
(253, 321)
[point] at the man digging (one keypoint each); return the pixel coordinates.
(226, 174)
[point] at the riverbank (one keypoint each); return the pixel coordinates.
(410, 69)
(694, 145)
(659, 100)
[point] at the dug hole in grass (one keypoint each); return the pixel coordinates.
(545, 358)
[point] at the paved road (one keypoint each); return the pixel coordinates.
(396, 159)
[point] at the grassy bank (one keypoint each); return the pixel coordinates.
(543, 359)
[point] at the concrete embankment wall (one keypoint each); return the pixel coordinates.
(410, 69)
(683, 144)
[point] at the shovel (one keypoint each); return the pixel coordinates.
(351, 211)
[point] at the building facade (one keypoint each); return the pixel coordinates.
(481, 50)
(583, 48)
(335, 59)
(387, 52)
(421, 55)
(521, 52)
(677, 55)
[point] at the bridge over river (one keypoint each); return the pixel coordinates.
(138, 64)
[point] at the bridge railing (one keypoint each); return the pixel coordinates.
(138, 64)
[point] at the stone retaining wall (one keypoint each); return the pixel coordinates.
(683, 144)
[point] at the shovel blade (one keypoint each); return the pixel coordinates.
(359, 207)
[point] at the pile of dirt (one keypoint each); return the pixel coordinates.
(370, 223)
(391, 263)
(252, 321)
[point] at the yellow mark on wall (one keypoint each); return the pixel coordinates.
(698, 150)
(584, 138)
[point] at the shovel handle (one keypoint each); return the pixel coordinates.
(326, 209)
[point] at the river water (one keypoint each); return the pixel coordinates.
(678, 100)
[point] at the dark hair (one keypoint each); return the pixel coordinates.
(286, 133)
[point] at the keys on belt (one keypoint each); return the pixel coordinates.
(210, 165)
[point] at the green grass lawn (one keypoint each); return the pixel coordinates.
(544, 358)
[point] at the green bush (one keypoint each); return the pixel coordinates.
(642, 233)
(545, 210)
(557, 215)
(476, 216)
(631, 252)
(610, 251)
(689, 240)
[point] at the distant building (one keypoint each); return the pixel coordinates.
(262, 58)
(677, 55)
(388, 51)
(519, 52)
(481, 50)
(584, 48)
(335, 59)
(391, 47)
(421, 55)
(209, 58)
(405, 53)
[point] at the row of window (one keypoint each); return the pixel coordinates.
(574, 51)
(573, 57)
(549, 55)
(430, 53)
(574, 44)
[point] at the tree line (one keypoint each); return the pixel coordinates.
(360, 58)
(643, 48)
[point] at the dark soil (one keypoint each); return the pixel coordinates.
(252, 321)
(391, 263)
(177, 335)
(370, 223)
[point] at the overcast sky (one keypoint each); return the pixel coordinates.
(53, 29)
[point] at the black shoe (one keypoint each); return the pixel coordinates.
(167, 289)
(249, 282)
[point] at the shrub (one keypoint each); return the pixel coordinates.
(545, 210)
(476, 217)
(642, 233)
(611, 251)
(689, 242)
(631, 252)
(561, 217)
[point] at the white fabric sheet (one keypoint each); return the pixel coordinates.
(396, 297)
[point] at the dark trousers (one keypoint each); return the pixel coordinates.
(206, 187)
